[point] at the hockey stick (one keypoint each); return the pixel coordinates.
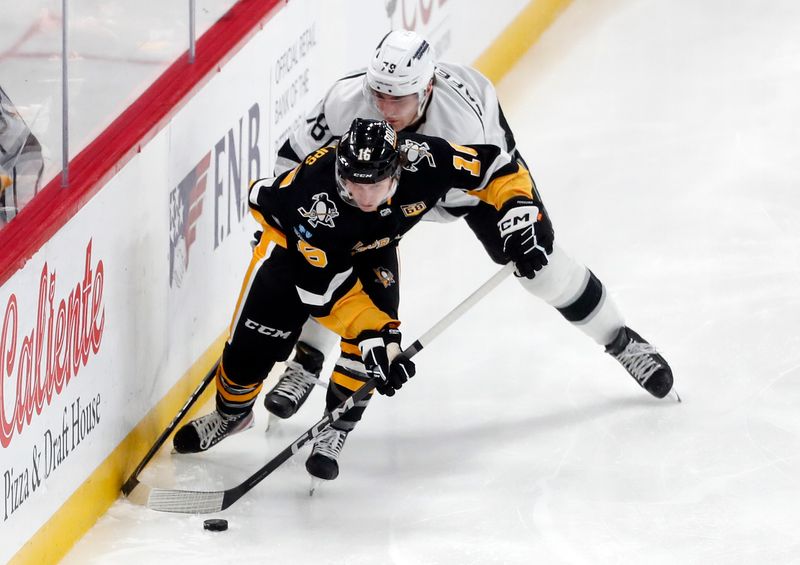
(203, 502)
(133, 480)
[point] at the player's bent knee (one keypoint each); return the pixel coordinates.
(245, 370)
(560, 281)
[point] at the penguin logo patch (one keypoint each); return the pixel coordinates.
(323, 211)
(384, 276)
(414, 153)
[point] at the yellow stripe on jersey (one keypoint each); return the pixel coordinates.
(347, 382)
(287, 180)
(502, 189)
(5, 182)
(350, 348)
(254, 262)
(271, 233)
(222, 388)
(271, 236)
(355, 312)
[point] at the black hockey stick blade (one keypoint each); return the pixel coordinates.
(133, 479)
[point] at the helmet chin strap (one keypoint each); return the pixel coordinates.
(395, 182)
(424, 98)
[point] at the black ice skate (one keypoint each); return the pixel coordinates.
(296, 382)
(207, 431)
(642, 361)
(322, 463)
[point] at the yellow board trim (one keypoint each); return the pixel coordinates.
(102, 488)
(515, 40)
(90, 501)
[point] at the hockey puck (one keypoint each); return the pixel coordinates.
(215, 525)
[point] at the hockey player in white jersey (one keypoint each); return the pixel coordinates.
(406, 87)
(21, 161)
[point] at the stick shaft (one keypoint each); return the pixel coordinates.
(454, 314)
(133, 479)
(200, 502)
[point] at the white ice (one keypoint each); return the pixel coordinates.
(664, 138)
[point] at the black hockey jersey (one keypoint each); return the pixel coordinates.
(463, 107)
(301, 210)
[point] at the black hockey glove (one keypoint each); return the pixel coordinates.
(527, 235)
(379, 351)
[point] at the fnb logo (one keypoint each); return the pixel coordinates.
(266, 330)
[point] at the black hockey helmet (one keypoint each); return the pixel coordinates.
(367, 153)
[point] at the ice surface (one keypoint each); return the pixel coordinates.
(664, 138)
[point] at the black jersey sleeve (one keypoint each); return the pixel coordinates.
(485, 171)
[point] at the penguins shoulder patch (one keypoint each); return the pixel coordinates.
(322, 211)
(414, 153)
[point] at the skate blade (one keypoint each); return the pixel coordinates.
(315, 484)
(273, 423)
(673, 394)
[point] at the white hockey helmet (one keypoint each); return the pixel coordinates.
(403, 64)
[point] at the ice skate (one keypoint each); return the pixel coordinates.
(296, 383)
(202, 433)
(322, 463)
(642, 361)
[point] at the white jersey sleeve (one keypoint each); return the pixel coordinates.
(328, 120)
(464, 109)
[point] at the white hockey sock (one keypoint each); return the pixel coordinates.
(578, 295)
(318, 336)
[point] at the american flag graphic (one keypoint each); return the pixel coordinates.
(185, 207)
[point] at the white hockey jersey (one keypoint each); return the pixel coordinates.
(21, 162)
(463, 109)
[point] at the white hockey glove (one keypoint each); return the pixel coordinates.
(380, 351)
(527, 235)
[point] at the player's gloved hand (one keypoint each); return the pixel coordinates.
(527, 235)
(380, 351)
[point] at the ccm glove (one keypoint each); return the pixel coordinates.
(527, 235)
(380, 351)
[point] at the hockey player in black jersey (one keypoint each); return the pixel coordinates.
(403, 85)
(331, 227)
